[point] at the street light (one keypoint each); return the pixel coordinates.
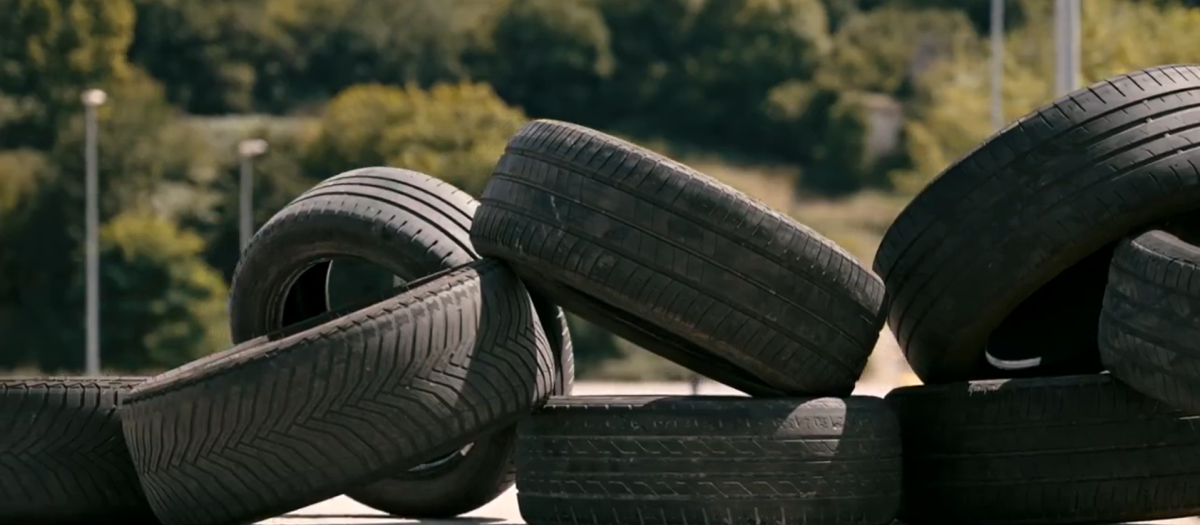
(92, 99)
(997, 63)
(247, 150)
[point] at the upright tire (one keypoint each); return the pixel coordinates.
(63, 459)
(411, 225)
(1064, 450)
(295, 417)
(687, 460)
(1035, 208)
(678, 263)
(1150, 325)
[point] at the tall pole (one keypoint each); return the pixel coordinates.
(1066, 43)
(247, 150)
(245, 205)
(92, 98)
(997, 63)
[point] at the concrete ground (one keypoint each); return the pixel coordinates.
(503, 510)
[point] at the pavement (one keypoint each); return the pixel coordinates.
(503, 510)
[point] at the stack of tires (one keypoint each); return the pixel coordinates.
(1062, 247)
(1059, 249)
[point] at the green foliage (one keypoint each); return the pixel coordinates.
(548, 56)
(163, 306)
(453, 132)
(201, 50)
(50, 51)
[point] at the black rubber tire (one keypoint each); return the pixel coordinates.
(412, 225)
(1150, 325)
(63, 459)
(963, 261)
(1074, 449)
(227, 439)
(684, 460)
(678, 263)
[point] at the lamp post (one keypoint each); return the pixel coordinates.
(92, 99)
(1067, 23)
(247, 150)
(997, 63)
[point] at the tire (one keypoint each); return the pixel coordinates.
(678, 263)
(1075, 449)
(686, 460)
(411, 225)
(1151, 318)
(455, 357)
(1038, 207)
(63, 459)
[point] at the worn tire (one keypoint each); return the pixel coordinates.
(63, 459)
(1075, 449)
(678, 263)
(1150, 325)
(411, 225)
(454, 357)
(683, 460)
(1035, 208)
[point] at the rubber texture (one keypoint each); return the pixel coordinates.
(678, 263)
(967, 257)
(1150, 325)
(63, 459)
(296, 417)
(652, 460)
(411, 225)
(1073, 449)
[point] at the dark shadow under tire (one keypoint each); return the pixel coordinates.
(1053, 451)
(340, 401)
(1150, 325)
(678, 263)
(410, 225)
(692, 460)
(1005, 254)
(63, 459)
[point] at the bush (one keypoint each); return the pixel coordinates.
(163, 306)
(455, 132)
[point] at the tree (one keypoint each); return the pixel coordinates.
(455, 132)
(550, 57)
(163, 305)
(737, 51)
(649, 43)
(50, 51)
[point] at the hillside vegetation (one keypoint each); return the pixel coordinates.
(834, 111)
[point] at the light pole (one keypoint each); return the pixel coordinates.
(247, 150)
(92, 99)
(997, 63)
(1066, 37)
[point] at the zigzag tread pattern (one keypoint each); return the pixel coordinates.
(671, 461)
(294, 421)
(1151, 318)
(425, 224)
(1036, 198)
(63, 458)
(674, 248)
(1064, 450)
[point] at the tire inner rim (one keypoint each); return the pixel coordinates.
(307, 291)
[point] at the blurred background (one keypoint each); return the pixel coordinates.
(832, 111)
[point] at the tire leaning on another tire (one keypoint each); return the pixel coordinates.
(678, 263)
(1006, 253)
(1150, 324)
(411, 225)
(687, 460)
(1053, 451)
(63, 459)
(296, 417)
